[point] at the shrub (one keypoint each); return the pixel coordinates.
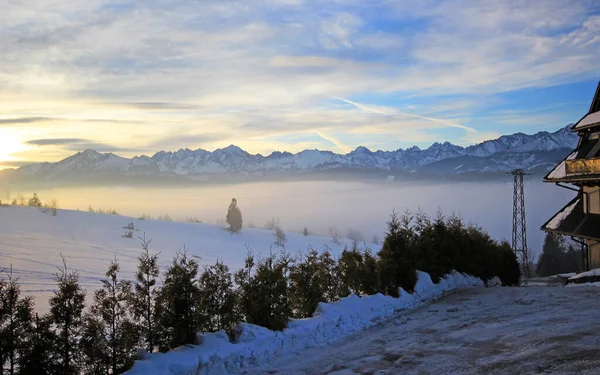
(334, 233)
(375, 240)
(165, 217)
(355, 236)
(272, 224)
(280, 237)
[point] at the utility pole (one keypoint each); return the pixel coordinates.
(519, 233)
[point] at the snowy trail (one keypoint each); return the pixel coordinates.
(550, 330)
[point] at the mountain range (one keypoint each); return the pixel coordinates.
(535, 153)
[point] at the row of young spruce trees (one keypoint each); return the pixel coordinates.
(268, 291)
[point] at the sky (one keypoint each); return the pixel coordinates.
(136, 77)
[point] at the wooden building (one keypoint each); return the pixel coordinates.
(580, 171)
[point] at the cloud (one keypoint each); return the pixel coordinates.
(23, 120)
(339, 144)
(393, 113)
(156, 105)
(238, 72)
(175, 141)
(55, 141)
(80, 144)
(15, 164)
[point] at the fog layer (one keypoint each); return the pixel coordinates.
(320, 205)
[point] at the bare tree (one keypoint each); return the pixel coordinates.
(334, 233)
(280, 237)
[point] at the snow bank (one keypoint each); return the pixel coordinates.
(256, 345)
(596, 283)
(591, 273)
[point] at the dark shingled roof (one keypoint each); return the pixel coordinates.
(576, 223)
(592, 118)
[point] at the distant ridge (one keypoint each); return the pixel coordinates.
(537, 152)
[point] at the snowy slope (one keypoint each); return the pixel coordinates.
(532, 152)
(32, 242)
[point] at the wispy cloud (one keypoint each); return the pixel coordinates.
(125, 74)
(393, 113)
(55, 141)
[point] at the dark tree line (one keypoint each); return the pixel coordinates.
(267, 291)
(558, 257)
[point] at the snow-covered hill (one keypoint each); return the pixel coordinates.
(540, 151)
(32, 242)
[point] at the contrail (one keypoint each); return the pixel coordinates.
(438, 120)
(333, 140)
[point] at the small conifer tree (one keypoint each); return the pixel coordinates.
(263, 289)
(16, 316)
(178, 302)
(144, 295)
(35, 201)
(40, 356)
(66, 310)
(217, 298)
(234, 216)
(397, 258)
(109, 329)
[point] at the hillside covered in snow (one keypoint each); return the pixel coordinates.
(32, 242)
(537, 152)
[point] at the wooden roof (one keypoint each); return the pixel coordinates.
(592, 118)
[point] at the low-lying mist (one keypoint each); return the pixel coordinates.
(320, 205)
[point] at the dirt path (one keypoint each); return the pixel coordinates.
(545, 330)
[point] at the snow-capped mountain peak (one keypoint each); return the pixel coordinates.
(518, 150)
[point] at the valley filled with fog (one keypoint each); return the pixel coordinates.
(319, 205)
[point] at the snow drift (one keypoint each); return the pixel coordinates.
(255, 345)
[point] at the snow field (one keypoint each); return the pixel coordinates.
(254, 345)
(31, 242)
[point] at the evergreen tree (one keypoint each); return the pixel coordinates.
(234, 216)
(217, 297)
(94, 346)
(574, 259)
(551, 261)
(143, 298)
(350, 269)
(369, 277)
(263, 289)
(109, 321)
(307, 284)
(505, 265)
(357, 273)
(178, 303)
(35, 201)
(16, 315)
(66, 308)
(305, 231)
(397, 258)
(40, 356)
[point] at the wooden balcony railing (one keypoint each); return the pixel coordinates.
(577, 167)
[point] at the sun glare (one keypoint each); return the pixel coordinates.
(9, 144)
